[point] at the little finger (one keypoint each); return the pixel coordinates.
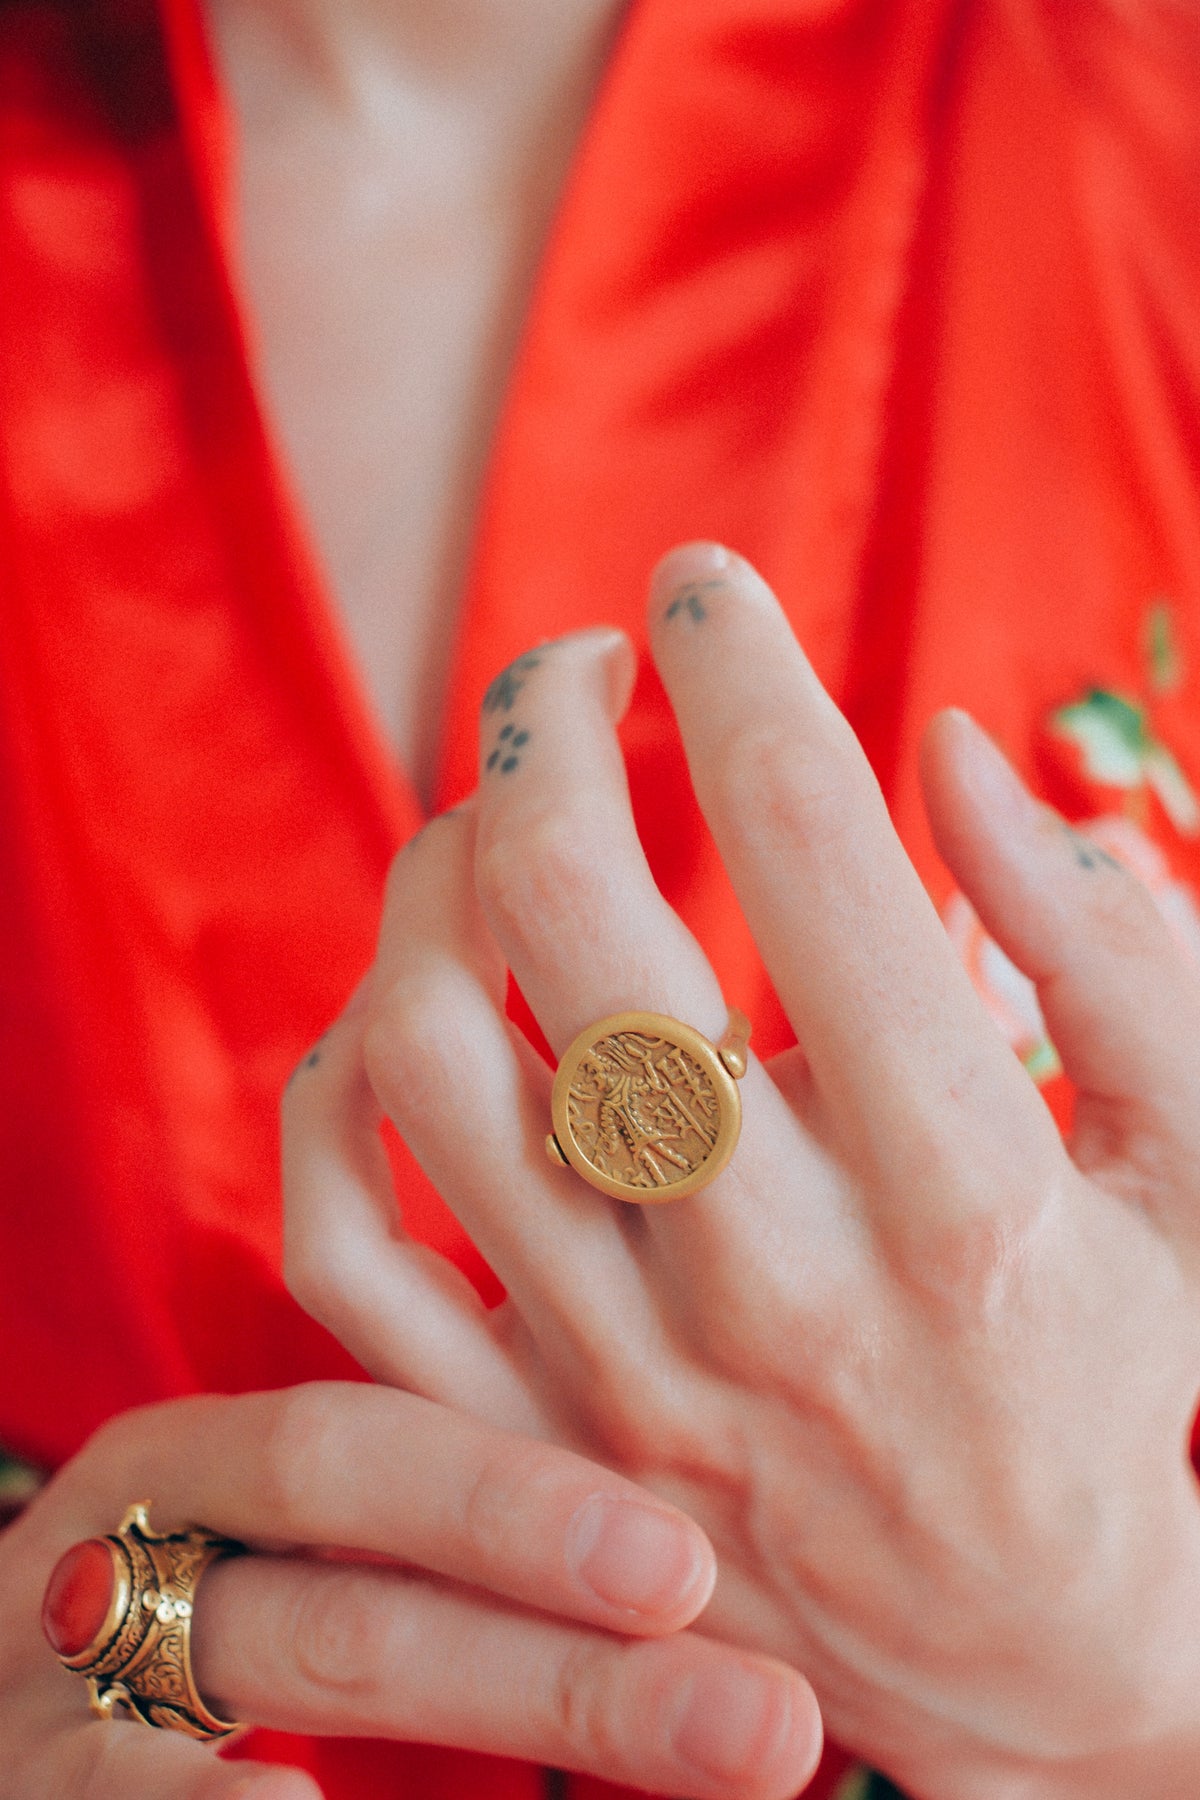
(447, 1066)
(405, 1312)
(1120, 995)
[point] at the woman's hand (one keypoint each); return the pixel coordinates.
(925, 1375)
(418, 1575)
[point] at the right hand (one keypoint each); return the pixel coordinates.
(418, 1575)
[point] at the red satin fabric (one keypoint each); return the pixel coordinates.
(900, 297)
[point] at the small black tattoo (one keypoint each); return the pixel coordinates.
(307, 1062)
(502, 694)
(688, 600)
(505, 756)
(1089, 855)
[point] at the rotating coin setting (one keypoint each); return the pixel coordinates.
(645, 1108)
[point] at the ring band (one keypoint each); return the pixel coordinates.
(118, 1610)
(645, 1108)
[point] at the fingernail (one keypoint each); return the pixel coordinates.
(701, 561)
(634, 1557)
(733, 1720)
(616, 662)
(998, 787)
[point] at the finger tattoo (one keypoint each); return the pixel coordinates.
(688, 603)
(502, 694)
(1088, 854)
(507, 754)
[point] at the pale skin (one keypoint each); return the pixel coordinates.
(399, 165)
(873, 1358)
(921, 1376)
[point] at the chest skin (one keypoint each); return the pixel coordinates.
(397, 172)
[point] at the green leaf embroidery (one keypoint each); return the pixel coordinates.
(861, 1784)
(1163, 660)
(854, 1786)
(18, 1482)
(1120, 750)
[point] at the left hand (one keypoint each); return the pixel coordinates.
(925, 1375)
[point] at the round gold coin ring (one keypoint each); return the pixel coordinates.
(645, 1108)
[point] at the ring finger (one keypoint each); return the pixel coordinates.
(570, 898)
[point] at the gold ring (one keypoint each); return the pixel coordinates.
(645, 1108)
(118, 1610)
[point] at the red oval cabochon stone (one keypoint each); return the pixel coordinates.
(78, 1596)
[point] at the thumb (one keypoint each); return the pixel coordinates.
(1120, 999)
(123, 1761)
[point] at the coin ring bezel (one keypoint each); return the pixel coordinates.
(693, 1044)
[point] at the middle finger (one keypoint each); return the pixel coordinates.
(898, 1042)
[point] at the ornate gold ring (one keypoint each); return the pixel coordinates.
(118, 1610)
(645, 1108)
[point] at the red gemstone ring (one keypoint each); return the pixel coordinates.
(118, 1610)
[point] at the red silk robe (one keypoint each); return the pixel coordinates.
(899, 297)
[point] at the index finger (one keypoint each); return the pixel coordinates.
(352, 1466)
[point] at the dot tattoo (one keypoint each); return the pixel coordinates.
(502, 694)
(506, 755)
(1089, 855)
(689, 601)
(307, 1062)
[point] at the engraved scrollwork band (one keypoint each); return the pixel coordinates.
(136, 1616)
(645, 1108)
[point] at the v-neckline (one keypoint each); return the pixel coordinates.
(387, 785)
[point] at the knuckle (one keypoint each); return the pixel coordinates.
(790, 792)
(343, 1632)
(973, 1261)
(110, 1443)
(499, 1501)
(963, 1206)
(552, 873)
(301, 1432)
(967, 1266)
(487, 1507)
(315, 1274)
(116, 1450)
(412, 1051)
(583, 1705)
(1126, 924)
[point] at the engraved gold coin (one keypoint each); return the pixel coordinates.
(647, 1109)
